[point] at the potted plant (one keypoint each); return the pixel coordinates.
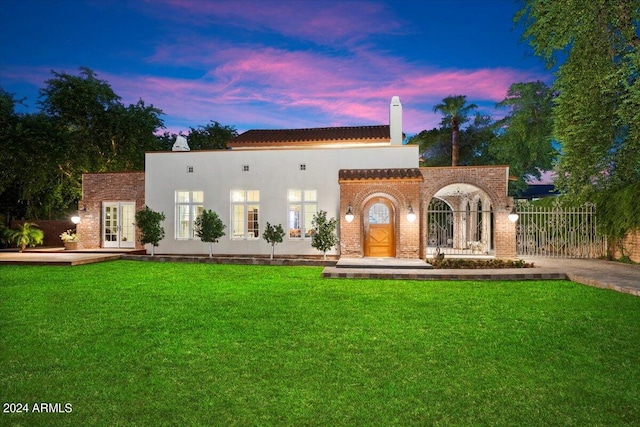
(70, 239)
(26, 234)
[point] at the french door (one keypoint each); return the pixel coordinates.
(118, 225)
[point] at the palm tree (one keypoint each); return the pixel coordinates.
(453, 107)
(26, 234)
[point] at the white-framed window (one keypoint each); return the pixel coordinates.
(189, 204)
(245, 207)
(303, 205)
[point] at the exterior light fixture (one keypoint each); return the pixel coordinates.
(411, 216)
(349, 215)
(75, 219)
(513, 215)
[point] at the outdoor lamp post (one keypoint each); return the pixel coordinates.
(75, 219)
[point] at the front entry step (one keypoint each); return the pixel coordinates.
(386, 263)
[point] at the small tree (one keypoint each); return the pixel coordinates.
(324, 238)
(148, 221)
(273, 234)
(25, 234)
(209, 228)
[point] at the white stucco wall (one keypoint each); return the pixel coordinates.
(273, 172)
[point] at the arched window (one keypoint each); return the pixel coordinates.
(379, 214)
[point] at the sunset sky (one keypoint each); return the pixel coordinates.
(273, 64)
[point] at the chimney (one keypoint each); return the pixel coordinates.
(395, 121)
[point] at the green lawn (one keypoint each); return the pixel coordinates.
(141, 343)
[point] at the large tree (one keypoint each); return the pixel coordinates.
(595, 45)
(473, 142)
(456, 111)
(524, 140)
(9, 124)
(81, 127)
(100, 132)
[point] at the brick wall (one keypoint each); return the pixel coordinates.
(106, 187)
(401, 194)
(493, 181)
(631, 245)
(411, 238)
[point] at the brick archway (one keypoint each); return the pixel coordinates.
(415, 188)
(401, 187)
(492, 182)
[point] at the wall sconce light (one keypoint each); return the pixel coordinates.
(410, 215)
(349, 215)
(76, 218)
(513, 215)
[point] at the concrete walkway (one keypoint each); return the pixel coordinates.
(598, 273)
(594, 272)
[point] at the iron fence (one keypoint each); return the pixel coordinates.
(559, 231)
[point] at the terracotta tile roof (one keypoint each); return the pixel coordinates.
(278, 137)
(376, 174)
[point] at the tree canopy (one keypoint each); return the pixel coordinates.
(524, 140)
(81, 126)
(594, 44)
(473, 142)
(456, 111)
(212, 136)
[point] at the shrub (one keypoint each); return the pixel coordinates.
(273, 234)
(459, 263)
(209, 228)
(148, 221)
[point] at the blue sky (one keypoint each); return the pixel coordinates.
(273, 64)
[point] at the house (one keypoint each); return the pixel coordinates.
(396, 209)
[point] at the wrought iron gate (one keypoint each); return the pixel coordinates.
(459, 232)
(558, 231)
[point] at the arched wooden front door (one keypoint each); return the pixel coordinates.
(379, 229)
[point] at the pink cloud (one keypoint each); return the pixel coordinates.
(274, 88)
(319, 21)
(269, 86)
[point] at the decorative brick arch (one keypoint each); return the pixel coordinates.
(388, 191)
(400, 186)
(416, 187)
(492, 181)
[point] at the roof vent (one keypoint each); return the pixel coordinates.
(180, 144)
